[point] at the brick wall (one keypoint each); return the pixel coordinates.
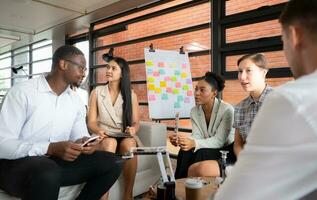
(160, 24)
(236, 6)
(136, 51)
(138, 14)
(253, 31)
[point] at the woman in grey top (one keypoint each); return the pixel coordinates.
(212, 130)
(252, 77)
(252, 73)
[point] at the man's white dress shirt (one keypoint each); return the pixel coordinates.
(279, 160)
(32, 116)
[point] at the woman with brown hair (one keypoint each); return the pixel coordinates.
(252, 77)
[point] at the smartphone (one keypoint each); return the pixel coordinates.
(91, 139)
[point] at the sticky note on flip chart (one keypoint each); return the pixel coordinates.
(187, 100)
(167, 78)
(178, 84)
(156, 73)
(163, 84)
(184, 65)
(169, 90)
(149, 71)
(161, 64)
(149, 63)
(150, 80)
(162, 71)
(177, 72)
(185, 87)
(183, 75)
(152, 97)
(175, 91)
(164, 96)
(151, 87)
(180, 98)
(158, 90)
(177, 105)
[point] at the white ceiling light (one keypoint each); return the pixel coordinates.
(195, 46)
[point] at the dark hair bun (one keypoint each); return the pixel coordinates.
(215, 81)
(107, 57)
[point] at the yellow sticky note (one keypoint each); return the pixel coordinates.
(183, 75)
(151, 87)
(149, 63)
(158, 90)
(150, 80)
(163, 83)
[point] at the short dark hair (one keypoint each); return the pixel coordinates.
(303, 12)
(65, 52)
(257, 58)
(214, 80)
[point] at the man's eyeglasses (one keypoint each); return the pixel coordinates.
(81, 67)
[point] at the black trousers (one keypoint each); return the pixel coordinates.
(40, 177)
(186, 158)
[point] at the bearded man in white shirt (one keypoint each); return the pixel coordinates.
(279, 160)
(42, 128)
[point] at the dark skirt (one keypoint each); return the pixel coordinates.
(187, 158)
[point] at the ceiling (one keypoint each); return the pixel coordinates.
(25, 21)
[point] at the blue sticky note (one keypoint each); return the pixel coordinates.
(162, 71)
(177, 105)
(177, 72)
(164, 96)
(149, 71)
(180, 98)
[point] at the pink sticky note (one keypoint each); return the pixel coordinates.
(178, 84)
(189, 93)
(184, 65)
(156, 73)
(187, 100)
(152, 97)
(167, 78)
(169, 90)
(161, 64)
